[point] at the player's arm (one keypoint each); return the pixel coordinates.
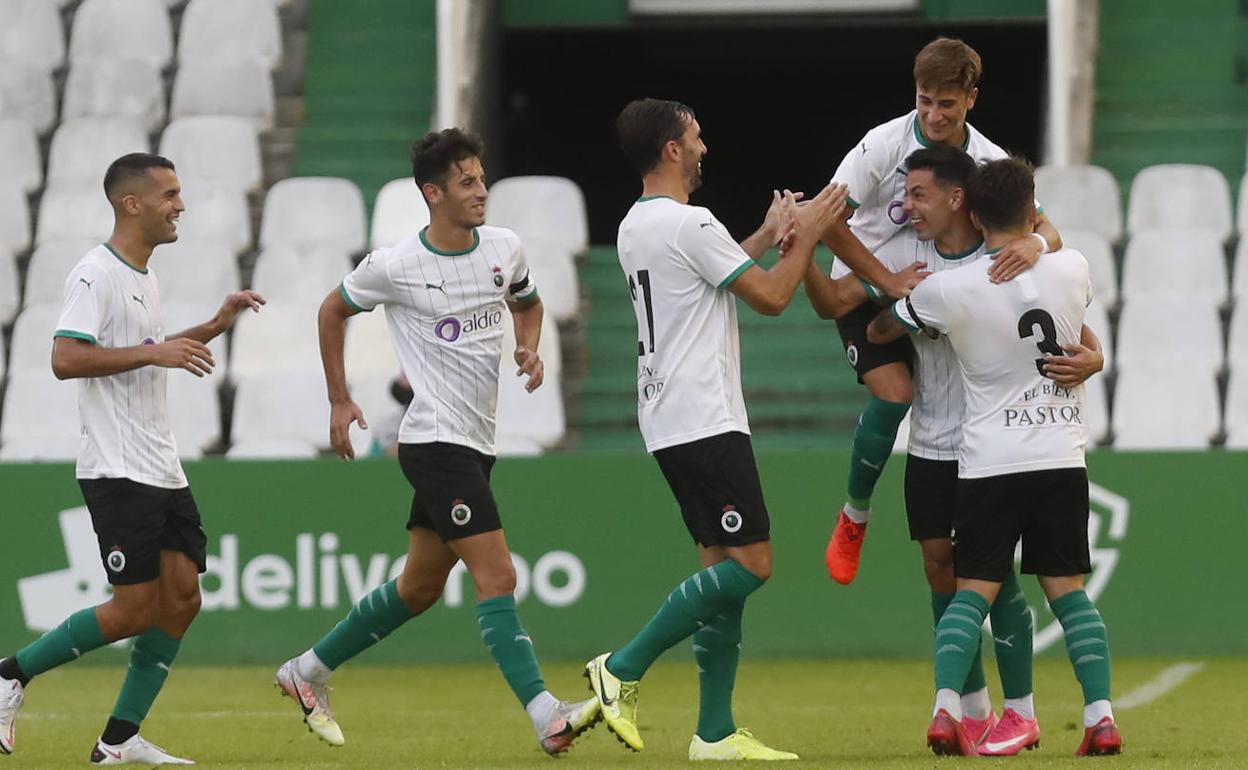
(221, 322)
(921, 312)
(1019, 256)
(846, 246)
(526, 316)
(777, 225)
(331, 324)
(73, 356)
(832, 297)
(1082, 360)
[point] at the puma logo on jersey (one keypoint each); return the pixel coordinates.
(88, 283)
(138, 299)
(440, 285)
(706, 224)
(865, 148)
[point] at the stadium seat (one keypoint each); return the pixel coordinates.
(1180, 195)
(1173, 261)
(31, 32)
(1096, 408)
(180, 316)
(10, 300)
(1097, 320)
(1081, 198)
(1101, 262)
(553, 270)
(49, 266)
(215, 213)
(14, 216)
(1237, 410)
(1155, 409)
(219, 150)
(1239, 280)
(191, 271)
(280, 338)
(20, 160)
(236, 28)
(194, 412)
(398, 213)
(372, 364)
(3, 357)
(27, 93)
(1237, 340)
(30, 349)
(280, 414)
(83, 148)
(116, 88)
(40, 418)
(1184, 333)
(314, 211)
(237, 87)
(140, 28)
(74, 210)
(525, 418)
(551, 208)
(284, 274)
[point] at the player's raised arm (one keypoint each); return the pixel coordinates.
(331, 323)
(225, 317)
(1021, 254)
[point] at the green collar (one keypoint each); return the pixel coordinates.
(918, 134)
(990, 252)
(645, 198)
(476, 241)
(122, 259)
(964, 254)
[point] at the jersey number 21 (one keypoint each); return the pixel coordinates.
(643, 278)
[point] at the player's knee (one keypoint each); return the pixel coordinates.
(419, 595)
(498, 580)
(120, 621)
(938, 567)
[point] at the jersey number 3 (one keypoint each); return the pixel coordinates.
(643, 278)
(1048, 334)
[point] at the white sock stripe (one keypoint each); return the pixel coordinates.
(1085, 643)
(697, 581)
(1084, 627)
(965, 611)
(699, 648)
(1089, 659)
(950, 648)
(1019, 598)
(963, 619)
(714, 577)
(1081, 613)
(385, 597)
(955, 632)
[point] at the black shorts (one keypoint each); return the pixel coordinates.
(931, 495)
(716, 483)
(1048, 510)
(134, 522)
(451, 489)
(863, 355)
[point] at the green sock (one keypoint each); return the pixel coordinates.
(975, 680)
(694, 602)
(78, 635)
(873, 443)
(377, 614)
(717, 647)
(150, 661)
(1086, 643)
(957, 639)
(1012, 633)
(511, 646)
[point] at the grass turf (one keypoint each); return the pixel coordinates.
(843, 713)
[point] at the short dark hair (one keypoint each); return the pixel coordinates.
(128, 167)
(435, 152)
(947, 62)
(949, 165)
(1001, 191)
(645, 126)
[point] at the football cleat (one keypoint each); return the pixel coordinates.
(741, 745)
(844, 549)
(134, 750)
(1011, 735)
(567, 724)
(1100, 739)
(979, 729)
(313, 700)
(11, 695)
(947, 737)
(618, 700)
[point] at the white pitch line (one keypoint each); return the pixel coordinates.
(1159, 685)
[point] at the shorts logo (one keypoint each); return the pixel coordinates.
(498, 276)
(116, 560)
(852, 353)
(897, 213)
(461, 514)
(731, 521)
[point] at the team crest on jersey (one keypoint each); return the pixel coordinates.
(852, 353)
(731, 521)
(461, 514)
(498, 276)
(116, 559)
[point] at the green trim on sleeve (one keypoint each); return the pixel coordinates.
(853, 204)
(735, 274)
(903, 321)
(342, 289)
(75, 335)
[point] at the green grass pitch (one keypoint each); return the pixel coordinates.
(844, 713)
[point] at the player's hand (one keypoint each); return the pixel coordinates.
(817, 214)
(1074, 368)
(341, 415)
(779, 223)
(1016, 257)
(234, 304)
(183, 353)
(532, 365)
(904, 281)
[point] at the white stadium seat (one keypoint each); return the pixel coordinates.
(216, 149)
(180, 316)
(40, 418)
(1189, 262)
(1154, 409)
(553, 270)
(1183, 333)
(1239, 280)
(9, 297)
(3, 356)
(27, 93)
(1096, 407)
(237, 28)
(20, 159)
(524, 418)
(116, 88)
(399, 213)
(50, 265)
(215, 213)
(551, 208)
(194, 412)
(1180, 195)
(372, 364)
(1241, 213)
(194, 271)
(14, 216)
(237, 87)
(140, 28)
(1097, 320)
(314, 211)
(1237, 410)
(1237, 340)
(1080, 198)
(1103, 268)
(74, 210)
(280, 414)
(31, 32)
(83, 148)
(287, 274)
(279, 338)
(30, 349)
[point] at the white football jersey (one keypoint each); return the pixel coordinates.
(125, 417)
(446, 312)
(1017, 419)
(679, 261)
(938, 407)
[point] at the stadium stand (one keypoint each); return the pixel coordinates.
(10, 299)
(48, 266)
(314, 211)
(1097, 319)
(1189, 262)
(1154, 409)
(554, 271)
(83, 146)
(140, 28)
(194, 413)
(1189, 337)
(280, 414)
(20, 160)
(27, 93)
(399, 212)
(1237, 409)
(528, 423)
(190, 271)
(545, 208)
(1101, 262)
(219, 150)
(1082, 198)
(70, 210)
(215, 212)
(115, 88)
(184, 315)
(281, 341)
(14, 217)
(31, 32)
(1180, 195)
(232, 28)
(240, 87)
(40, 417)
(284, 274)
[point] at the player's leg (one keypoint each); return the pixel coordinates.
(1012, 636)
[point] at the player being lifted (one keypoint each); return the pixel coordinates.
(431, 284)
(111, 338)
(1021, 469)
(683, 270)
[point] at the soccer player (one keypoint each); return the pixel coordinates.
(446, 292)
(946, 74)
(1021, 468)
(683, 270)
(111, 337)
